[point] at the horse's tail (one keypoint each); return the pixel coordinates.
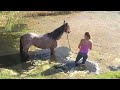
(22, 56)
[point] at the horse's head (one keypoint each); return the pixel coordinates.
(66, 28)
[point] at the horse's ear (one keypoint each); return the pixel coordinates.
(64, 21)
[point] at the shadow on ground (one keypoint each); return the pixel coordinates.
(59, 68)
(67, 67)
(13, 62)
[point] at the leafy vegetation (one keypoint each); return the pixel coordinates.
(11, 18)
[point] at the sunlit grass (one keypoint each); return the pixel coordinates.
(110, 75)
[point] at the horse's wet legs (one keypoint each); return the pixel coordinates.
(53, 59)
(25, 56)
(26, 48)
(52, 51)
(53, 48)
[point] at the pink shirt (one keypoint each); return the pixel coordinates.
(84, 48)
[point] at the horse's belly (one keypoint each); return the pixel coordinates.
(43, 43)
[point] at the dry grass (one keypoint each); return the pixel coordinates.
(46, 13)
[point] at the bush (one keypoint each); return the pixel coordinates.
(12, 18)
(15, 17)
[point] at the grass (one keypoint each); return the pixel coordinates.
(35, 77)
(36, 74)
(110, 75)
(9, 74)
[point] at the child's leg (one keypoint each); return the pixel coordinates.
(84, 58)
(79, 56)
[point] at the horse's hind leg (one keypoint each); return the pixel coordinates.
(26, 55)
(26, 48)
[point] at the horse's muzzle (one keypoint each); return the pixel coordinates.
(68, 32)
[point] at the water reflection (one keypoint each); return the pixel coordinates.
(9, 60)
(14, 59)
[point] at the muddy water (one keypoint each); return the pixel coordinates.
(61, 54)
(9, 60)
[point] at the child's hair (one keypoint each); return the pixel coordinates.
(87, 34)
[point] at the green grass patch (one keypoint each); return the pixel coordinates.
(109, 75)
(36, 76)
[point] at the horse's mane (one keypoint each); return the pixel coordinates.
(57, 32)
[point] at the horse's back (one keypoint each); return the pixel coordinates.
(28, 38)
(40, 41)
(33, 34)
(30, 35)
(43, 41)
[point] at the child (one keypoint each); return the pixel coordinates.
(84, 46)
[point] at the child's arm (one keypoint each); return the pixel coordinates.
(90, 47)
(80, 43)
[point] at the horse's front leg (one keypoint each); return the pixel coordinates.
(54, 45)
(52, 51)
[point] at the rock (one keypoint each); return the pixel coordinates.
(92, 67)
(45, 67)
(114, 68)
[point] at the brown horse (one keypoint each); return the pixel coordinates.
(46, 41)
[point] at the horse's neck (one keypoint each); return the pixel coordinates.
(58, 33)
(60, 36)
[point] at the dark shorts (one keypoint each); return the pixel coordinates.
(81, 55)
